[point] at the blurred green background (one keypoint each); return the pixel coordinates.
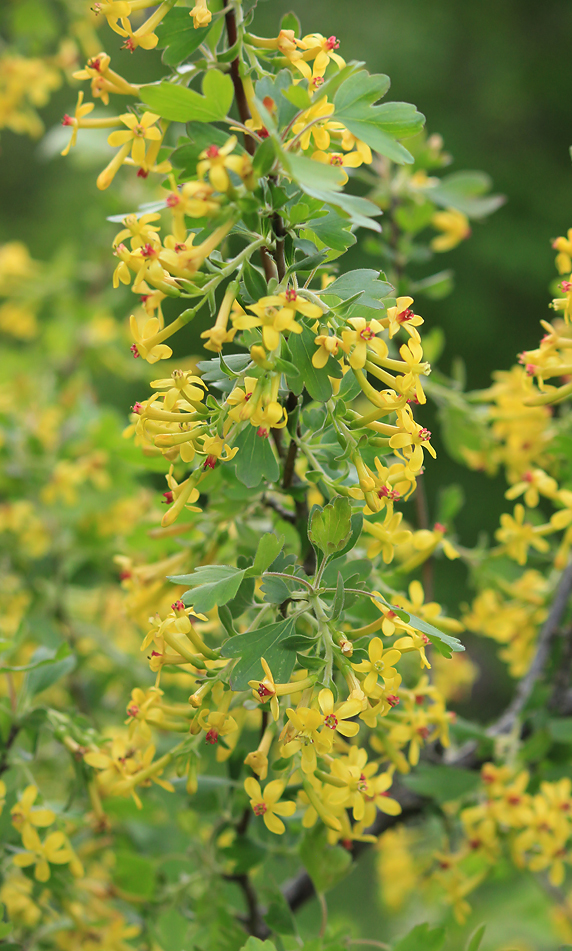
(490, 77)
(494, 79)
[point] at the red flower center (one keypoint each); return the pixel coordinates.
(134, 350)
(291, 294)
(424, 434)
(336, 159)
(331, 721)
(173, 199)
(67, 120)
(133, 710)
(212, 151)
(259, 808)
(405, 315)
(212, 737)
(168, 498)
(392, 700)
(264, 691)
(262, 432)
(332, 43)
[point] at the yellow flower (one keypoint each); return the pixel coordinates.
(321, 49)
(267, 804)
(534, 482)
(356, 341)
(328, 345)
(265, 689)
(144, 337)
(16, 894)
(316, 117)
(54, 849)
(401, 316)
(387, 534)
(304, 731)
(24, 814)
(131, 140)
(201, 14)
(141, 230)
(215, 160)
(335, 717)
(275, 314)
(380, 664)
(414, 440)
(430, 611)
(455, 227)
(341, 161)
(518, 536)
(564, 256)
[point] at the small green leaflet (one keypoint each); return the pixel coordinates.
(255, 460)
(179, 104)
(178, 35)
(444, 643)
(214, 585)
(466, 191)
(379, 126)
(331, 526)
(475, 941)
(422, 938)
(263, 642)
(442, 783)
(326, 865)
(364, 281)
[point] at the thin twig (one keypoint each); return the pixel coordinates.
(239, 93)
(284, 513)
(550, 627)
(254, 922)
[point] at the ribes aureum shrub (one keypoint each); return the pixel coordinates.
(192, 753)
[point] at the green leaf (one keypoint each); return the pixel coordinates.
(330, 527)
(264, 157)
(178, 35)
(311, 174)
(275, 590)
(332, 231)
(242, 600)
(254, 281)
(47, 672)
(211, 585)
(363, 281)
(326, 865)
(379, 126)
(466, 191)
(298, 96)
(6, 927)
(422, 938)
(44, 656)
(291, 22)
(269, 547)
(255, 944)
(134, 874)
(360, 211)
(226, 619)
(172, 930)
(442, 783)
(434, 634)
(356, 529)
(179, 104)
(316, 381)
(475, 941)
(450, 502)
(255, 461)
(263, 642)
(561, 729)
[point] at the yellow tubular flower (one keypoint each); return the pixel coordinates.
(518, 536)
(387, 534)
(455, 227)
(321, 49)
(341, 161)
(334, 717)
(201, 14)
(276, 314)
(401, 316)
(267, 804)
(215, 160)
(380, 664)
(356, 341)
(139, 130)
(23, 812)
(54, 849)
(316, 118)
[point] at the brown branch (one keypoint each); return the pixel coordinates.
(14, 730)
(239, 93)
(558, 700)
(278, 255)
(300, 889)
(284, 513)
(254, 922)
(549, 629)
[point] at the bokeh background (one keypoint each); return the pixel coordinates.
(495, 79)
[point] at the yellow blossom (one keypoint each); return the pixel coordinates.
(267, 804)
